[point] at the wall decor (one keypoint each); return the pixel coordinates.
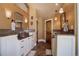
(32, 17)
(18, 19)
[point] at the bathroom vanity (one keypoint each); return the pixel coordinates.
(63, 44)
(10, 45)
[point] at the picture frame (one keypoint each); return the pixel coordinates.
(32, 17)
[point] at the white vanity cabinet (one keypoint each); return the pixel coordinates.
(30, 41)
(21, 48)
(54, 46)
(63, 45)
(8, 45)
(11, 46)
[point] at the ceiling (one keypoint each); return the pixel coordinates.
(45, 10)
(22, 6)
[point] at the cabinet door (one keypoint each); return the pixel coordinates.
(22, 47)
(3, 46)
(32, 41)
(54, 46)
(21, 52)
(66, 45)
(25, 46)
(8, 47)
(29, 43)
(11, 45)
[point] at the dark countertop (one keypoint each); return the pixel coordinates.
(70, 32)
(7, 32)
(59, 32)
(20, 33)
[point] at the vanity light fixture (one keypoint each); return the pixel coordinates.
(8, 13)
(61, 10)
(26, 20)
(55, 18)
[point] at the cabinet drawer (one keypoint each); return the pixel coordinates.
(21, 52)
(22, 47)
(21, 43)
(31, 37)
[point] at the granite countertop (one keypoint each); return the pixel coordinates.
(21, 33)
(66, 33)
(70, 32)
(7, 32)
(59, 32)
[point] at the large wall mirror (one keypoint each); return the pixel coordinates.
(18, 19)
(62, 20)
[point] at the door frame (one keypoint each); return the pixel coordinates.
(37, 31)
(51, 27)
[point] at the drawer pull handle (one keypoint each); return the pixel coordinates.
(22, 46)
(22, 41)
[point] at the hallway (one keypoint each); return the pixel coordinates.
(53, 26)
(40, 50)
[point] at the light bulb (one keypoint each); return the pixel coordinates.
(61, 10)
(25, 20)
(55, 18)
(8, 13)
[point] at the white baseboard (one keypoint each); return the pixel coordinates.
(41, 40)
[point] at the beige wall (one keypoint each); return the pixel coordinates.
(70, 16)
(56, 23)
(40, 28)
(4, 22)
(32, 12)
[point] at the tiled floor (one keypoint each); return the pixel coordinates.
(40, 50)
(32, 53)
